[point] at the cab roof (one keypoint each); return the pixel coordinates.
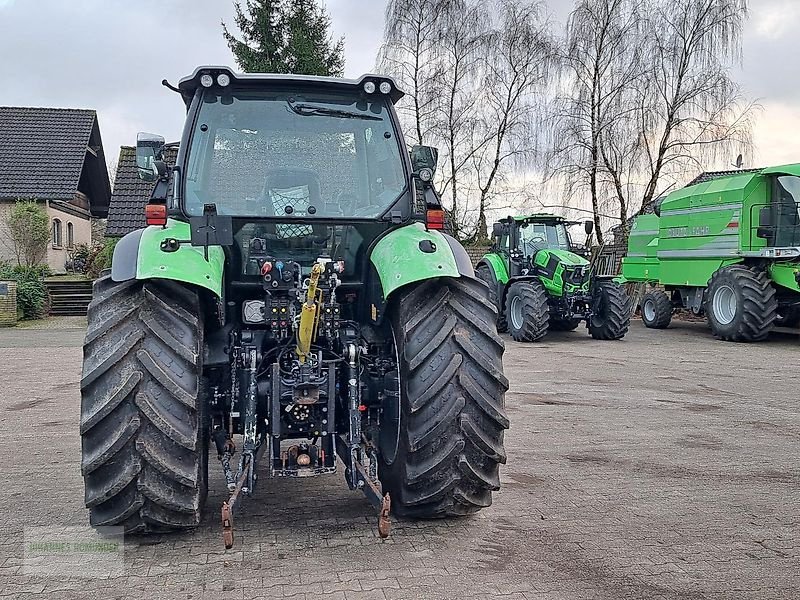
(189, 85)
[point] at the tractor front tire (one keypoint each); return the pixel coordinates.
(144, 434)
(612, 312)
(527, 312)
(484, 273)
(741, 304)
(452, 391)
(656, 310)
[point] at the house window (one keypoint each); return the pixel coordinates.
(70, 235)
(57, 232)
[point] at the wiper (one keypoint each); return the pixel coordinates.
(310, 110)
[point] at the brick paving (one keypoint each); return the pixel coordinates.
(664, 466)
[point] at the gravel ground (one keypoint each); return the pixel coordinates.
(661, 466)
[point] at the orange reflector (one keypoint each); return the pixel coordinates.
(435, 219)
(156, 214)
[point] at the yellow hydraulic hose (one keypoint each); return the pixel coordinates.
(309, 315)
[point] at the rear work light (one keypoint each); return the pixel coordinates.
(435, 219)
(156, 214)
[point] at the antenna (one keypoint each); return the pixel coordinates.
(169, 86)
(739, 162)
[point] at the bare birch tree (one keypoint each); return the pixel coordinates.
(463, 45)
(693, 110)
(602, 65)
(520, 66)
(410, 53)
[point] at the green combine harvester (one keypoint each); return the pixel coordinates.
(539, 280)
(726, 246)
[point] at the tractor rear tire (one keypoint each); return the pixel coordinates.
(741, 304)
(656, 310)
(483, 272)
(452, 399)
(527, 312)
(612, 316)
(564, 324)
(144, 431)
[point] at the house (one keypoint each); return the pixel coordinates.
(131, 194)
(54, 156)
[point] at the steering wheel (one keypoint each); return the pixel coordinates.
(532, 246)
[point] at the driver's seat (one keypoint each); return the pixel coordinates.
(278, 185)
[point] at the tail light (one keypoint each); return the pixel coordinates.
(156, 214)
(435, 219)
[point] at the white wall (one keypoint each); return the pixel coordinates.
(57, 256)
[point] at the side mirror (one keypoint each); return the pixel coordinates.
(497, 230)
(423, 161)
(588, 227)
(150, 156)
(765, 225)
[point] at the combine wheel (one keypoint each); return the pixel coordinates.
(612, 312)
(527, 312)
(740, 304)
(452, 391)
(143, 431)
(656, 310)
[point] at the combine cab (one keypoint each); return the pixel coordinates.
(727, 247)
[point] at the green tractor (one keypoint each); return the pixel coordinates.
(540, 281)
(292, 303)
(726, 246)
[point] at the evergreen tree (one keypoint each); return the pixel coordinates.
(311, 49)
(263, 40)
(285, 36)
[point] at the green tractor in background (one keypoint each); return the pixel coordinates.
(295, 306)
(539, 281)
(726, 246)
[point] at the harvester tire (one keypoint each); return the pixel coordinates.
(484, 273)
(741, 304)
(612, 312)
(527, 312)
(656, 310)
(144, 431)
(564, 324)
(452, 416)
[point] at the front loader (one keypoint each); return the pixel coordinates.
(540, 281)
(293, 305)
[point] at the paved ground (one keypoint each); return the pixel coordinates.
(662, 466)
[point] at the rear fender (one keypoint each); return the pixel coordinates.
(139, 255)
(412, 253)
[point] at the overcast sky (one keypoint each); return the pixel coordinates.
(111, 55)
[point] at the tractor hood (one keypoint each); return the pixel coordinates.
(567, 258)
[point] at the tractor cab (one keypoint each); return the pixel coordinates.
(521, 239)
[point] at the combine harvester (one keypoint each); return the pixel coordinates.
(726, 246)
